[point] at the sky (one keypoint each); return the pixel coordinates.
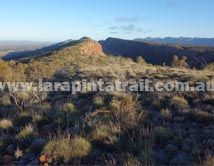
(58, 20)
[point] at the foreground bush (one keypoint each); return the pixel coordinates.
(209, 161)
(67, 150)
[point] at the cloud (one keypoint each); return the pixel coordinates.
(128, 25)
(127, 19)
(124, 29)
(114, 32)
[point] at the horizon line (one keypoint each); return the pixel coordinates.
(61, 40)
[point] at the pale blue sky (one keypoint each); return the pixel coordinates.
(56, 20)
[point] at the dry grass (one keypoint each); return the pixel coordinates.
(6, 124)
(66, 149)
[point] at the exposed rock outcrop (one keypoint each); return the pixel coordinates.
(90, 47)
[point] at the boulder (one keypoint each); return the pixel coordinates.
(10, 149)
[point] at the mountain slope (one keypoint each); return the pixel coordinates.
(157, 53)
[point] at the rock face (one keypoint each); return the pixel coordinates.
(90, 47)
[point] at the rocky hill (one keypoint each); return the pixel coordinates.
(90, 47)
(86, 46)
(157, 53)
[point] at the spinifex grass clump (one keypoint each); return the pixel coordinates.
(67, 149)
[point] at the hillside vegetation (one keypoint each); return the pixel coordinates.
(103, 128)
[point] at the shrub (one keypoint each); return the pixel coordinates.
(176, 62)
(105, 134)
(26, 131)
(100, 133)
(140, 60)
(65, 116)
(69, 108)
(124, 112)
(166, 113)
(26, 136)
(81, 147)
(210, 67)
(67, 150)
(131, 161)
(209, 161)
(5, 100)
(58, 149)
(40, 120)
(179, 103)
(5, 71)
(6, 124)
(98, 101)
(179, 100)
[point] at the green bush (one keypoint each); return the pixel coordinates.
(67, 150)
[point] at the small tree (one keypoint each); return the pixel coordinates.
(5, 71)
(175, 61)
(183, 62)
(210, 66)
(140, 60)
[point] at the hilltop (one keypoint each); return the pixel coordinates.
(87, 46)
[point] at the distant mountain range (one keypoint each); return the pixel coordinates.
(9, 46)
(181, 40)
